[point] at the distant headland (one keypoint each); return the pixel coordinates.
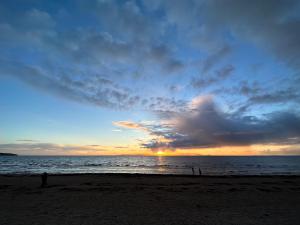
(7, 154)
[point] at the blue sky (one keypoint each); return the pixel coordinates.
(149, 75)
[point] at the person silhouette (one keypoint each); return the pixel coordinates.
(44, 179)
(193, 170)
(200, 172)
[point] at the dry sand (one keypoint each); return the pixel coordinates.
(144, 199)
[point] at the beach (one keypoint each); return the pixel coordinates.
(149, 199)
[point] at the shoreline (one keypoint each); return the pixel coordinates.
(149, 175)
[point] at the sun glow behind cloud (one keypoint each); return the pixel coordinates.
(204, 129)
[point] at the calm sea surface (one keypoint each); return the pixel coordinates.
(210, 165)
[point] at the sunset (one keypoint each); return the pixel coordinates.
(71, 75)
(146, 91)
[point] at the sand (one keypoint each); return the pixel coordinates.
(149, 199)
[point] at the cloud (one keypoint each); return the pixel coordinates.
(215, 58)
(116, 16)
(92, 90)
(84, 63)
(164, 54)
(118, 54)
(175, 88)
(26, 140)
(257, 95)
(218, 76)
(278, 96)
(50, 148)
(164, 104)
(129, 125)
(249, 89)
(205, 125)
(117, 130)
(294, 150)
(272, 25)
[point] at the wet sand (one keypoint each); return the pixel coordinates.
(149, 199)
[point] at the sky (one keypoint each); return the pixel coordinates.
(159, 77)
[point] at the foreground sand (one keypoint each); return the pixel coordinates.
(142, 199)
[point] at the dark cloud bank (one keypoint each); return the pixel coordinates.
(205, 125)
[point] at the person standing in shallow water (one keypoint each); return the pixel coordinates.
(200, 172)
(193, 171)
(44, 179)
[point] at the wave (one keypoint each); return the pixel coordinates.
(176, 165)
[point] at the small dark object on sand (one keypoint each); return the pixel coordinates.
(44, 179)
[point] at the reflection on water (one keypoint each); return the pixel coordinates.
(160, 160)
(252, 165)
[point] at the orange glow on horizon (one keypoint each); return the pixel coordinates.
(215, 151)
(160, 153)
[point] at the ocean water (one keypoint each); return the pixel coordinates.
(210, 165)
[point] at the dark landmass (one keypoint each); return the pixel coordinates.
(112, 199)
(7, 154)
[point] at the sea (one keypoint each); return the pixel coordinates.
(209, 165)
